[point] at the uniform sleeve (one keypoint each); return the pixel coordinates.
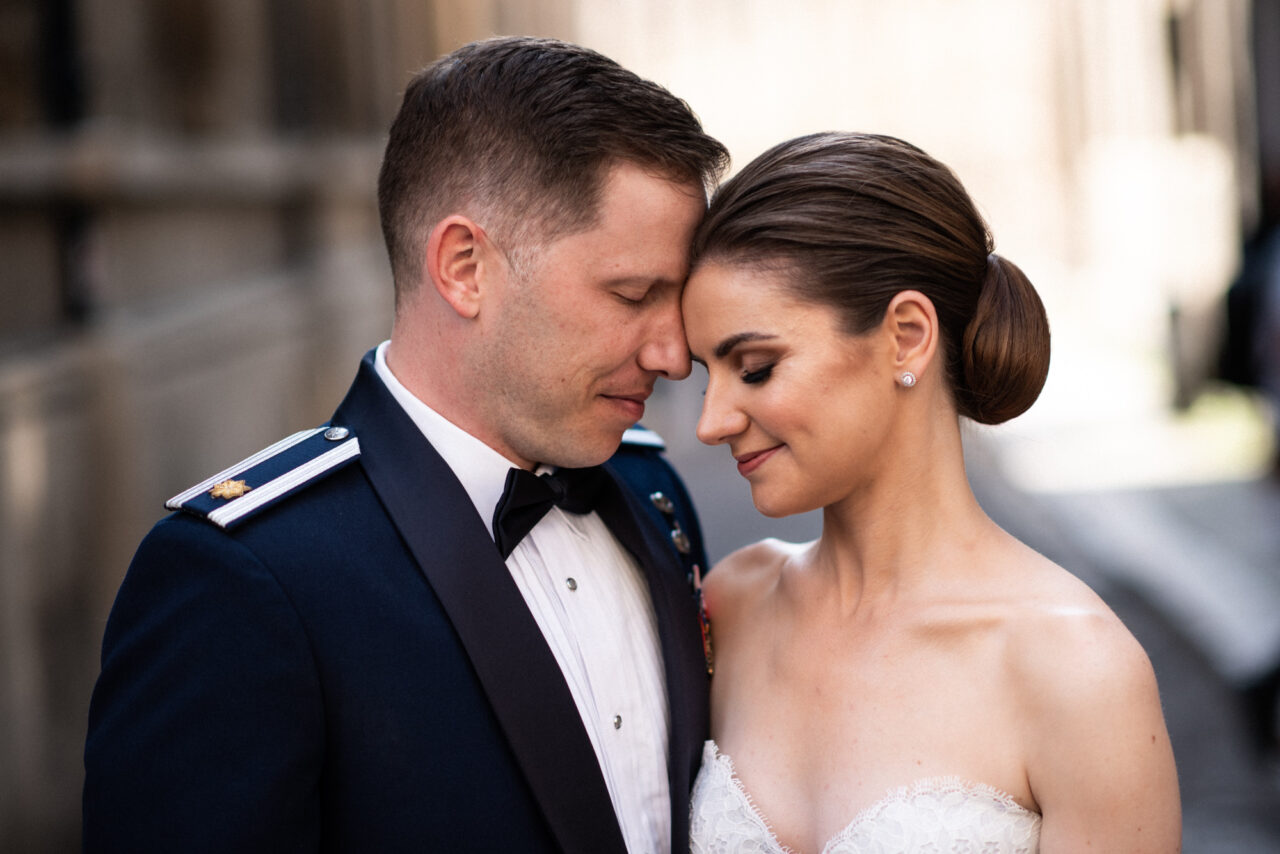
(205, 729)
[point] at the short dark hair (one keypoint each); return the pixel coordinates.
(852, 220)
(525, 130)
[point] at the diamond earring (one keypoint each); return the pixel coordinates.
(907, 379)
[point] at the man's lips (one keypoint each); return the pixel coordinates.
(632, 403)
(749, 462)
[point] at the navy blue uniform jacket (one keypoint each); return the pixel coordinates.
(353, 669)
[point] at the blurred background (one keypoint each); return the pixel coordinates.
(191, 267)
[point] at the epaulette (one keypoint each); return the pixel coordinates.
(234, 494)
(643, 437)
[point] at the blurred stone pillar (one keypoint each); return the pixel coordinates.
(459, 21)
(193, 266)
(54, 489)
(195, 66)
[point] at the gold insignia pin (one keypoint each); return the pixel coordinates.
(230, 489)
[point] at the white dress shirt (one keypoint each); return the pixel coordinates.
(592, 603)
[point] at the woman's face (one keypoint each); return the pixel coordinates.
(804, 407)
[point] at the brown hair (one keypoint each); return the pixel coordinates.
(852, 220)
(523, 131)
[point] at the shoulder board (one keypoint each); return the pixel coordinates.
(643, 437)
(236, 493)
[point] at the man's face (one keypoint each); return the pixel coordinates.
(579, 334)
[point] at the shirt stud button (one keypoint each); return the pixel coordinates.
(571, 583)
(617, 721)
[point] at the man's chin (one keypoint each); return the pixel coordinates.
(587, 449)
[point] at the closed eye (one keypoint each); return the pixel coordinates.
(757, 376)
(635, 300)
(641, 291)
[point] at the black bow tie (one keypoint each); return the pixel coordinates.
(527, 497)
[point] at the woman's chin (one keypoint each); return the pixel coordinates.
(775, 506)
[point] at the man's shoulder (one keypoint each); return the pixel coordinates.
(264, 479)
(639, 438)
(643, 467)
(641, 457)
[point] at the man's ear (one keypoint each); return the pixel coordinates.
(459, 256)
(912, 324)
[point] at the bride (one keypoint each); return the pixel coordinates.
(916, 679)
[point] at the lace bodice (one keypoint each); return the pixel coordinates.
(945, 815)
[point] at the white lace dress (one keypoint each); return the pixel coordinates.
(942, 814)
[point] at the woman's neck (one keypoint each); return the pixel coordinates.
(913, 519)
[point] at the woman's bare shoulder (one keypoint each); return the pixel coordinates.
(1073, 662)
(1060, 621)
(1097, 749)
(1063, 616)
(748, 574)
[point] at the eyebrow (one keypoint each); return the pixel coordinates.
(726, 346)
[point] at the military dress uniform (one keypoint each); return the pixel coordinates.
(323, 649)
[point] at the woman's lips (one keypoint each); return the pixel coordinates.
(747, 463)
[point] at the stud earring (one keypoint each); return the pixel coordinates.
(907, 379)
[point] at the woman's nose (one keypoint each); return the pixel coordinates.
(720, 420)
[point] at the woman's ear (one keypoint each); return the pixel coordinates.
(458, 259)
(912, 324)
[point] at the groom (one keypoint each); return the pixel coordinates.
(389, 633)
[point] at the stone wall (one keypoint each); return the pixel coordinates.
(192, 269)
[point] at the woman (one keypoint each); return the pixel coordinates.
(916, 679)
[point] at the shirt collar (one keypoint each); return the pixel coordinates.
(481, 470)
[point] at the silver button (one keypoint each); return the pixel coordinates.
(662, 502)
(336, 434)
(571, 583)
(617, 721)
(680, 539)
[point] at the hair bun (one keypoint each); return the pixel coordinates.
(1005, 352)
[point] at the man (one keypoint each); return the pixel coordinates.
(388, 634)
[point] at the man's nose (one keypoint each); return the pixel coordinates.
(665, 350)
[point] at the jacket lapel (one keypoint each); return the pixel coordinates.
(683, 660)
(511, 658)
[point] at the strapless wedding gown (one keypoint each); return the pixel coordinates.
(942, 814)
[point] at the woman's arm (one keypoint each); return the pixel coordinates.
(1100, 763)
